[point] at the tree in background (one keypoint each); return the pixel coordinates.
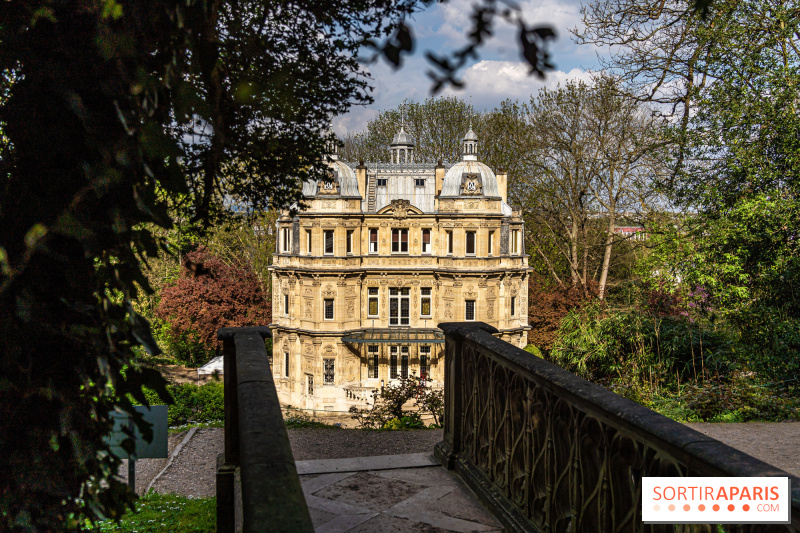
(735, 164)
(437, 126)
(209, 295)
(590, 157)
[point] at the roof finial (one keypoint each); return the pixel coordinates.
(403, 116)
(470, 111)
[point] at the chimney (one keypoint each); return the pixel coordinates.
(439, 182)
(361, 178)
(502, 184)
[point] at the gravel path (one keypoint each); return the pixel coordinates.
(147, 469)
(776, 443)
(192, 474)
(310, 444)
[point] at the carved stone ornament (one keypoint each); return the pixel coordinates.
(448, 310)
(351, 308)
(309, 307)
(490, 309)
(354, 204)
(328, 348)
(470, 292)
(399, 282)
(400, 208)
(329, 291)
(350, 291)
(308, 291)
(448, 292)
(329, 187)
(328, 205)
(471, 184)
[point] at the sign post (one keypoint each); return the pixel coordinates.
(124, 428)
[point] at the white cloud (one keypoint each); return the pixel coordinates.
(490, 82)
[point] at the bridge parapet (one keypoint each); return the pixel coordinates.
(548, 451)
(258, 488)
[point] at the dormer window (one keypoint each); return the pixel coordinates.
(382, 182)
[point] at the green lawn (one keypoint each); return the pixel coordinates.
(156, 513)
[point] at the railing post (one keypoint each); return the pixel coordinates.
(447, 451)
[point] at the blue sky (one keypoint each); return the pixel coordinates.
(498, 74)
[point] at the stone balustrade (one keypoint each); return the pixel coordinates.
(548, 451)
(258, 488)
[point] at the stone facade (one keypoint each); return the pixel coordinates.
(382, 255)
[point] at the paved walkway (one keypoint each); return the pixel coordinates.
(390, 493)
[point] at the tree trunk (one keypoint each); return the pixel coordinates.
(607, 256)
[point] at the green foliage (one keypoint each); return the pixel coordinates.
(532, 349)
(390, 409)
(410, 421)
(205, 403)
(156, 513)
(635, 352)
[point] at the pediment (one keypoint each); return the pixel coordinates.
(400, 209)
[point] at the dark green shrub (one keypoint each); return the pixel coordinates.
(192, 403)
(210, 402)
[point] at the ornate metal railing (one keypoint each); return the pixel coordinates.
(258, 488)
(548, 451)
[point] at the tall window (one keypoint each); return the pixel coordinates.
(513, 306)
(404, 362)
(286, 364)
(449, 243)
(328, 242)
(310, 381)
(490, 243)
(372, 361)
(393, 362)
(424, 359)
(372, 304)
(470, 247)
(286, 240)
(398, 307)
(399, 241)
(469, 310)
(308, 241)
(373, 240)
(426, 241)
(425, 301)
(285, 304)
(329, 309)
(515, 241)
(327, 369)
(349, 241)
